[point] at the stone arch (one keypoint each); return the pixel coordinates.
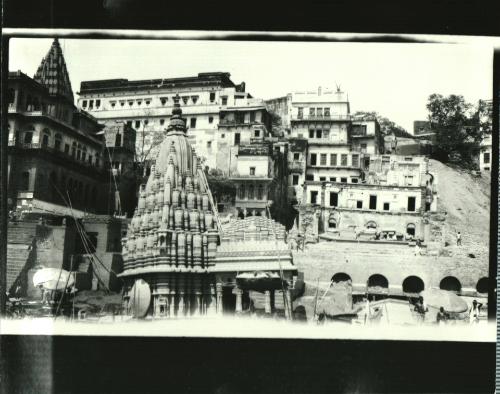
(413, 284)
(341, 277)
(371, 225)
(482, 285)
(378, 280)
(450, 283)
(411, 229)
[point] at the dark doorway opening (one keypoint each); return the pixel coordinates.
(373, 202)
(413, 284)
(450, 283)
(411, 204)
(228, 300)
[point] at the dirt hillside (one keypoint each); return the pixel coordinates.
(465, 200)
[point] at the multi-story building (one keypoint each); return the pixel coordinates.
(55, 161)
(397, 190)
(485, 153)
(146, 105)
(244, 122)
(119, 160)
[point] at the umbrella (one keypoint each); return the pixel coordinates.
(53, 278)
(442, 298)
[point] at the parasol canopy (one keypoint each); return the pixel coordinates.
(53, 279)
(451, 302)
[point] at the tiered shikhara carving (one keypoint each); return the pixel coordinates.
(172, 239)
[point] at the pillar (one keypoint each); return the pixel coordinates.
(288, 305)
(219, 298)
(272, 300)
(212, 302)
(239, 293)
(267, 304)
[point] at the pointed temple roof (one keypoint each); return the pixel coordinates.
(52, 73)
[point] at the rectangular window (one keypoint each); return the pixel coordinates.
(343, 180)
(354, 180)
(257, 133)
(212, 96)
(386, 206)
(311, 133)
(355, 160)
(84, 104)
(359, 204)
(237, 138)
(373, 202)
(91, 104)
(162, 122)
(322, 159)
(252, 170)
(327, 112)
(296, 156)
(486, 158)
(408, 180)
(209, 144)
(314, 197)
(192, 123)
(97, 103)
(224, 100)
(319, 112)
(295, 180)
(309, 177)
(333, 159)
(210, 119)
(411, 204)
(313, 159)
(334, 199)
(363, 148)
(343, 160)
(318, 133)
(300, 113)
(137, 124)
(312, 111)
(66, 148)
(322, 178)
(333, 179)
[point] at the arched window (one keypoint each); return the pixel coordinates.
(118, 139)
(450, 283)
(58, 141)
(78, 152)
(241, 191)
(73, 149)
(250, 192)
(482, 285)
(84, 153)
(260, 192)
(371, 225)
(332, 223)
(378, 280)
(413, 284)
(28, 134)
(341, 277)
(25, 181)
(410, 229)
(45, 137)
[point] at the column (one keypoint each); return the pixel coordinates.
(272, 300)
(288, 306)
(267, 304)
(239, 293)
(219, 299)
(212, 301)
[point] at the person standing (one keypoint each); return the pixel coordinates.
(442, 316)
(459, 239)
(474, 312)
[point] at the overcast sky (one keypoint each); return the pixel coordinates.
(392, 79)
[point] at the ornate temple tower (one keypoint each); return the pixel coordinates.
(172, 240)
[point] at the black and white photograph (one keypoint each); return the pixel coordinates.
(249, 188)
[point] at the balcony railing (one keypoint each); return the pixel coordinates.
(54, 151)
(322, 117)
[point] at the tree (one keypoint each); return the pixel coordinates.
(459, 129)
(387, 126)
(222, 188)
